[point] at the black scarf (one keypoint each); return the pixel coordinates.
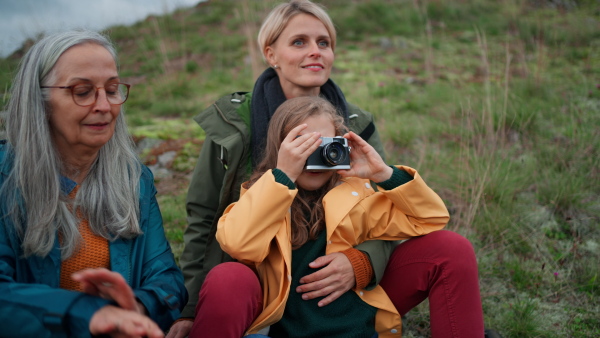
(268, 95)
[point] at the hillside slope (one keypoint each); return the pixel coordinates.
(497, 103)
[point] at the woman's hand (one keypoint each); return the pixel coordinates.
(180, 329)
(294, 151)
(365, 161)
(109, 285)
(118, 322)
(333, 280)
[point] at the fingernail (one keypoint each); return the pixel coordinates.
(305, 297)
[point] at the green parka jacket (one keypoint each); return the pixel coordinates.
(223, 165)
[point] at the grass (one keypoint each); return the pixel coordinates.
(172, 207)
(497, 103)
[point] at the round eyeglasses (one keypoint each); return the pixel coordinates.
(86, 95)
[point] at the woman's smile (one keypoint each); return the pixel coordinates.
(314, 67)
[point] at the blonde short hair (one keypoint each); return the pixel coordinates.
(279, 17)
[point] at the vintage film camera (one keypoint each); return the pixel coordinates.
(332, 154)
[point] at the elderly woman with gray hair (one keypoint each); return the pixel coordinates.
(82, 245)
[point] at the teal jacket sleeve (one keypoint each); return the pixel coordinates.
(157, 281)
(36, 309)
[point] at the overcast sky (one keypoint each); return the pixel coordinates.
(22, 19)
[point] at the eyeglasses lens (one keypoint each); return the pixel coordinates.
(86, 95)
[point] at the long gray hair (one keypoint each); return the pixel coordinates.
(108, 197)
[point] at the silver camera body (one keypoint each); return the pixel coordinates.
(332, 154)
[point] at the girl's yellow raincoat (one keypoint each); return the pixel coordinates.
(256, 231)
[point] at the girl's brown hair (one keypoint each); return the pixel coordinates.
(308, 215)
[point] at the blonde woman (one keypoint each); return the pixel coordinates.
(298, 41)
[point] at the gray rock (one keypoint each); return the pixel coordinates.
(165, 159)
(160, 173)
(147, 143)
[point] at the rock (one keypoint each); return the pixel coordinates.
(147, 143)
(165, 159)
(385, 43)
(160, 173)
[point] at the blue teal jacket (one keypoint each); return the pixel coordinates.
(33, 305)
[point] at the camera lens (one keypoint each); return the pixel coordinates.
(334, 153)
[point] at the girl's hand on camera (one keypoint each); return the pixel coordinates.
(294, 151)
(365, 161)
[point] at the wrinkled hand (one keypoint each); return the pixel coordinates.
(365, 161)
(295, 150)
(335, 278)
(180, 329)
(118, 322)
(108, 285)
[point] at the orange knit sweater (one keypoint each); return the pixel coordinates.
(93, 252)
(363, 271)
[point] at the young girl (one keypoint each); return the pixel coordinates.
(287, 217)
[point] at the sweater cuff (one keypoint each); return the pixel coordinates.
(399, 177)
(363, 271)
(281, 177)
